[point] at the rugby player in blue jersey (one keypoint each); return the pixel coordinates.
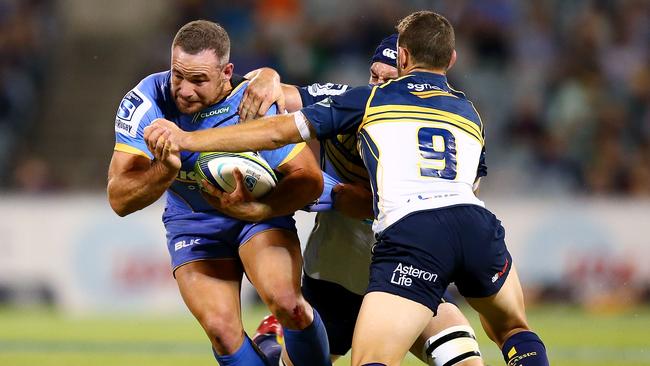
(209, 250)
(337, 254)
(422, 143)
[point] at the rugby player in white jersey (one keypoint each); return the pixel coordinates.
(422, 143)
(337, 254)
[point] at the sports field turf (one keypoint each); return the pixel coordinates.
(46, 338)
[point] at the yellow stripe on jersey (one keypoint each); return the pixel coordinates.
(425, 110)
(433, 93)
(403, 116)
(236, 89)
(130, 149)
(437, 122)
(344, 167)
(296, 149)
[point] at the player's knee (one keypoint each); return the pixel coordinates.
(452, 346)
(225, 333)
(291, 310)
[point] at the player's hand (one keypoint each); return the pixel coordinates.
(239, 204)
(165, 151)
(263, 90)
(160, 126)
(353, 200)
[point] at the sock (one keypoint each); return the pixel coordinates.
(246, 355)
(524, 349)
(308, 346)
(270, 347)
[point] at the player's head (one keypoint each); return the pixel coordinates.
(426, 40)
(200, 68)
(383, 65)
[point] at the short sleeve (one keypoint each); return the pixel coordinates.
(136, 111)
(338, 114)
(314, 93)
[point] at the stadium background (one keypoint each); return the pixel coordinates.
(562, 86)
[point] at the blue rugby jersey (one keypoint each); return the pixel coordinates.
(152, 99)
(421, 141)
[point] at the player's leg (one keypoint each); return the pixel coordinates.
(210, 289)
(503, 317)
(448, 338)
(273, 263)
(489, 282)
(338, 307)
(387, 326)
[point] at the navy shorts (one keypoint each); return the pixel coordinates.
(421, 254)
(200, 236)
(338, 308)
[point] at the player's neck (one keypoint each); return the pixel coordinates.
(416, 68)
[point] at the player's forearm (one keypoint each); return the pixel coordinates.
(293, 192)
(267, 133)
(133, 191)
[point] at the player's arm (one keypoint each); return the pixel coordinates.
(135, 182)
(301, 183)
(263, 90)
(268, 133)
(337, 114)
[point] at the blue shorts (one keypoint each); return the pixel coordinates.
(199, 236)
(421, 254)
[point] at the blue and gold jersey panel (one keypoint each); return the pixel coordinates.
(423, 97)
(339, 114)
(139, 107)
(343, 156)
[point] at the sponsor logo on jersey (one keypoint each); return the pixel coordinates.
(186, 243)
(215, 112)
(185, 176)
(129, 104)
(403, 275)
(422, 87)
(389, 53)
(131, 110)
(326, 89)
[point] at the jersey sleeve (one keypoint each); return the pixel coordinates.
(326, 200)
(136, 111)
(314, 93)
(338, 114)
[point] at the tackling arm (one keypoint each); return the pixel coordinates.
(268, 133)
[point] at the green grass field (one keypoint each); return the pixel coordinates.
(46, 338)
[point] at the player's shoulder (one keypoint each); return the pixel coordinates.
(325, 89)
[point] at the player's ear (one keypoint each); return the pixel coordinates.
(402, 58)
(452, 61)
(228, 70)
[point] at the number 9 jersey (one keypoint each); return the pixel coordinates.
(421, 141)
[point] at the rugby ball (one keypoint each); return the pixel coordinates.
(217, 168)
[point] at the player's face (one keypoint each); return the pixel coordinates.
(381, 73)
(198, 81)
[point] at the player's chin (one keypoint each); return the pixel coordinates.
(186, 107)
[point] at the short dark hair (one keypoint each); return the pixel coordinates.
(428, 37)
(200, 35)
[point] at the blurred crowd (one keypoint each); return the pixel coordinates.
(563, 87)
(26, 34)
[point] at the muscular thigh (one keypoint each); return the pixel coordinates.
(273, 262)
(211, 288)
